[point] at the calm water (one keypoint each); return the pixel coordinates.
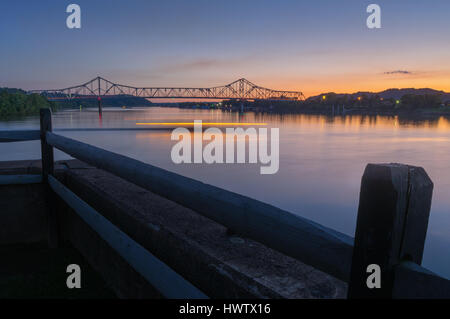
(322, 160)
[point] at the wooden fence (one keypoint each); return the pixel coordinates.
(394, 207)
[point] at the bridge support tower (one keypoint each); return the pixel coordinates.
(99, 99)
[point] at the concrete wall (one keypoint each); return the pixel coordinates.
(23, 209)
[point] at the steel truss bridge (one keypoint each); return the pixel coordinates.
(241, 89)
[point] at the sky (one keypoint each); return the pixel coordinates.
(311, 46)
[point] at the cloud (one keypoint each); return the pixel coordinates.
(398, 72)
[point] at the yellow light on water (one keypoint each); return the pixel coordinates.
(208, 124)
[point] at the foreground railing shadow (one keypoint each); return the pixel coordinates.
(392, 222)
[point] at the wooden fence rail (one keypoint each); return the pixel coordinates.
(163, 278)
(19, 136)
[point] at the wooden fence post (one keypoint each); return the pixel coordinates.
(394, 207)
(46, 149)
(47, 169)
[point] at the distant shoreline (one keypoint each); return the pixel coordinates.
(416, 113)
(328, 111)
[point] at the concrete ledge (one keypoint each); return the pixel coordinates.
(197, 248)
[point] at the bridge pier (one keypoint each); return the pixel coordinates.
(99, 99)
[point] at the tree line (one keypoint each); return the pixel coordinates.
(15, 102)
(358, 102)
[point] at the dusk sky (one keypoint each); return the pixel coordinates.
(310, 46)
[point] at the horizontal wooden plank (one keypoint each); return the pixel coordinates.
(20, 179)
(19, 136)
(159, 275)
(307, 241)
(414, 281)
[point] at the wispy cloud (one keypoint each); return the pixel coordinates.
(398, 72)
(202, 64)
(196, 64)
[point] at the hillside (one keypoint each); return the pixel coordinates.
(389, 94)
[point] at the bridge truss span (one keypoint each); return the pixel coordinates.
(241, 89)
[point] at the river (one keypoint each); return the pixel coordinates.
(322, 160)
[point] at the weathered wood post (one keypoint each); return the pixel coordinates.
(46, 149)
(48, 168)
(394, 207)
